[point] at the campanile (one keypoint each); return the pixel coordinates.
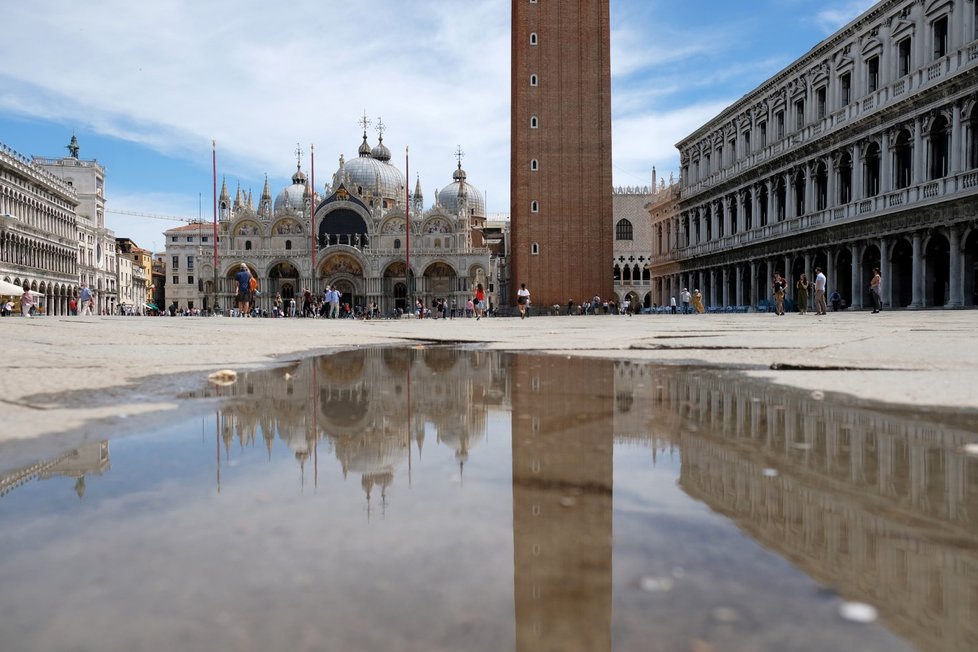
(560, 173)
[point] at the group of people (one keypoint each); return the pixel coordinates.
(802, 286)
(688, 302)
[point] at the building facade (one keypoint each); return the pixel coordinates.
(96, 244)
(632, 230)
(38, 237)
(863, 153)
(353, 237)
(560, 173)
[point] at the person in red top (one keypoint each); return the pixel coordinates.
(480, 301)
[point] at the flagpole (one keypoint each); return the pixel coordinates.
(312, 214)
(407, 232)
(214, 166)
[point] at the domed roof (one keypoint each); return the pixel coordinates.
(380, 152)
(448, 196)
(293, 197)
(375, 175)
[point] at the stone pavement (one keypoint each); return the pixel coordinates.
(61, 374)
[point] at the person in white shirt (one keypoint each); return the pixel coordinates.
(820, 283)
(523, 299)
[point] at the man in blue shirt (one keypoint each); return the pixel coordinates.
(85, 301)
(243, 277)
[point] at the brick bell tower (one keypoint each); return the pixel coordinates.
(561, 211)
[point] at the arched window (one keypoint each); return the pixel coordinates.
(534, 122)
(623, 230)
(288, 245)
(903, 148)
(973, 122)
(940, 146)
(248, 245)
(821, 186)
(534, 165)
(533, 38)
(626, 274)
(534, 206)
(872, 170)
(845, 178)
(616, 274)
(534, 249)
(397, 243)
(533, 80)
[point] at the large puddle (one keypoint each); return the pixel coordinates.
(450, 499)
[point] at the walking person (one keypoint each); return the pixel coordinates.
(801, 294)
(243, 277)
(85, 300)
(480, 301)
(334, 303)
(778, 286)
(820, 283)
(523, 299)
(27, 302)
(672, 304)
(684, 298)
(875, 289)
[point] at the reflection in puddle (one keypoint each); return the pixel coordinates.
(449, 499)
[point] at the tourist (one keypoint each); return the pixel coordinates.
(820, 282)
(801, 294)
(684, 298)
(27, 302)
(480, 301)
(698, 302)
(243, 277)
(86, 300)
(334, 303)
(469, 307)
(875, 287)
(836, 300)
(778, 286)
(522, 299)
(672, 304)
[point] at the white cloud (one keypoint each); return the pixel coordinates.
(831, 19)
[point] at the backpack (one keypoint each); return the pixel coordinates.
(253, 284)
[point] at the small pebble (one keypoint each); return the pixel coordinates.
(858, 612)
(656, 584)
(770, 473)
(818, 395)
(568, 501)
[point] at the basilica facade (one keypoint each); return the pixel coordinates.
(365, 235)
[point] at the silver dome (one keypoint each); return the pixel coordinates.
(371, 175)
(448, 196)
(291, 198)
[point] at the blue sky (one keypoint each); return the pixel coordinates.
(146, 87)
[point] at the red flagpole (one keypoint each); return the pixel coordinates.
(214, 166)
(407, 230)
(312, 211)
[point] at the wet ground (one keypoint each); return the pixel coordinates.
(439, 498)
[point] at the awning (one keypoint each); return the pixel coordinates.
(151, 306)
(9, 289)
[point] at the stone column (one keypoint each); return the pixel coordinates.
(739, 290)
(857, 285)
(725, 290)
(713, 287)
(808, 266)
(956, 285)
(917, 174)
(857, 172)
(887, 294)
(917, 283)
(830, 183)
(790, 200)
(830, 281)
(957, 140)
(809, 189)
(886, 163)
(753, 283)
(725, 202)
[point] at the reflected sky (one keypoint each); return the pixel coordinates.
(436, 498)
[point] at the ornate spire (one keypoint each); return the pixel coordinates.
(364, 149)
(238, 198)
(251, 203)
(225, 199)
(266, 192)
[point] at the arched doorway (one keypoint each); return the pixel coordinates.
(343, 272)
(937, 270)
(901, 274)
(283, 281)
(395, 285)
(842, 283)
(439, 282)
(870, 259)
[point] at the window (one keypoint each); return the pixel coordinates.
(623, 230)
(173, 238)
(534, 249)
(534, 206)
(779, 123)
(763, 129)
(799, 114)
(248, 245)
(904, 51)
(176, 280)
(288, 245)
(534, 165)
(845, 89)
(205, 239)
(533, 80)
(747, 142)
(176, 262)
(534, 122)
(397, 243)
(533, 38)
(190, 263)
(190, 238)
(190, 279)
(872, 74)
(940, 37)
(820, 103)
